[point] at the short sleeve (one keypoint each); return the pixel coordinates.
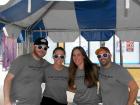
(16, 66)
(123, 76)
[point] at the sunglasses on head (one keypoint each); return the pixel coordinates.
(105, 55)
(59, 56)
(42, 47)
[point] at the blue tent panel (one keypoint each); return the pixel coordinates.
(98, 14)
(20, 9)
(97, 35)
(39, 26)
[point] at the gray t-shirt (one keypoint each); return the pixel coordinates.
(28, 75)
(114, 85)
(83, 94)
(56, 84)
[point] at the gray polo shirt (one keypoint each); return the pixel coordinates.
(26, 85)
(114, 85)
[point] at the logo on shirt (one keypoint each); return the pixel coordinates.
(57, 77)
(105, 76)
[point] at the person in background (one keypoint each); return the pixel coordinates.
(22, 84)
(116, 84)
(56, 77)
(83, 78)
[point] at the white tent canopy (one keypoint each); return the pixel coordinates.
(128, 20)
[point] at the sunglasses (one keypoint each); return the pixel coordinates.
(42, 47)
(105, 55)
(58, 56)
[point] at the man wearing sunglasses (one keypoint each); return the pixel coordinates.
(22, 85)
(116, 84)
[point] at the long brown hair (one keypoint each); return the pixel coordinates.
(90, 69)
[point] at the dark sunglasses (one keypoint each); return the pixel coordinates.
(59, 56)
(42, 47)
(105, 55)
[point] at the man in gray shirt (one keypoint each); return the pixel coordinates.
(22, 85)
(116, 84)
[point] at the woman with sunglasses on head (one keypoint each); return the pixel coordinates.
(83, 78)
(56, 77)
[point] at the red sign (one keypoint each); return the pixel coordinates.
(129, 46)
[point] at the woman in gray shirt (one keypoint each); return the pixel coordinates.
(56, 77)
(83, 78)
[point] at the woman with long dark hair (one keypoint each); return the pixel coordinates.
(83, 78)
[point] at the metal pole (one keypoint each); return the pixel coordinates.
(121, 54)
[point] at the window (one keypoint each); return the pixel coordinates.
(130, 51)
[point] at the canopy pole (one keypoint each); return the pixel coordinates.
(127, 6)
(121, 54)
(79, 40)
(114, 47)
(24, 44)
(29, 6)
